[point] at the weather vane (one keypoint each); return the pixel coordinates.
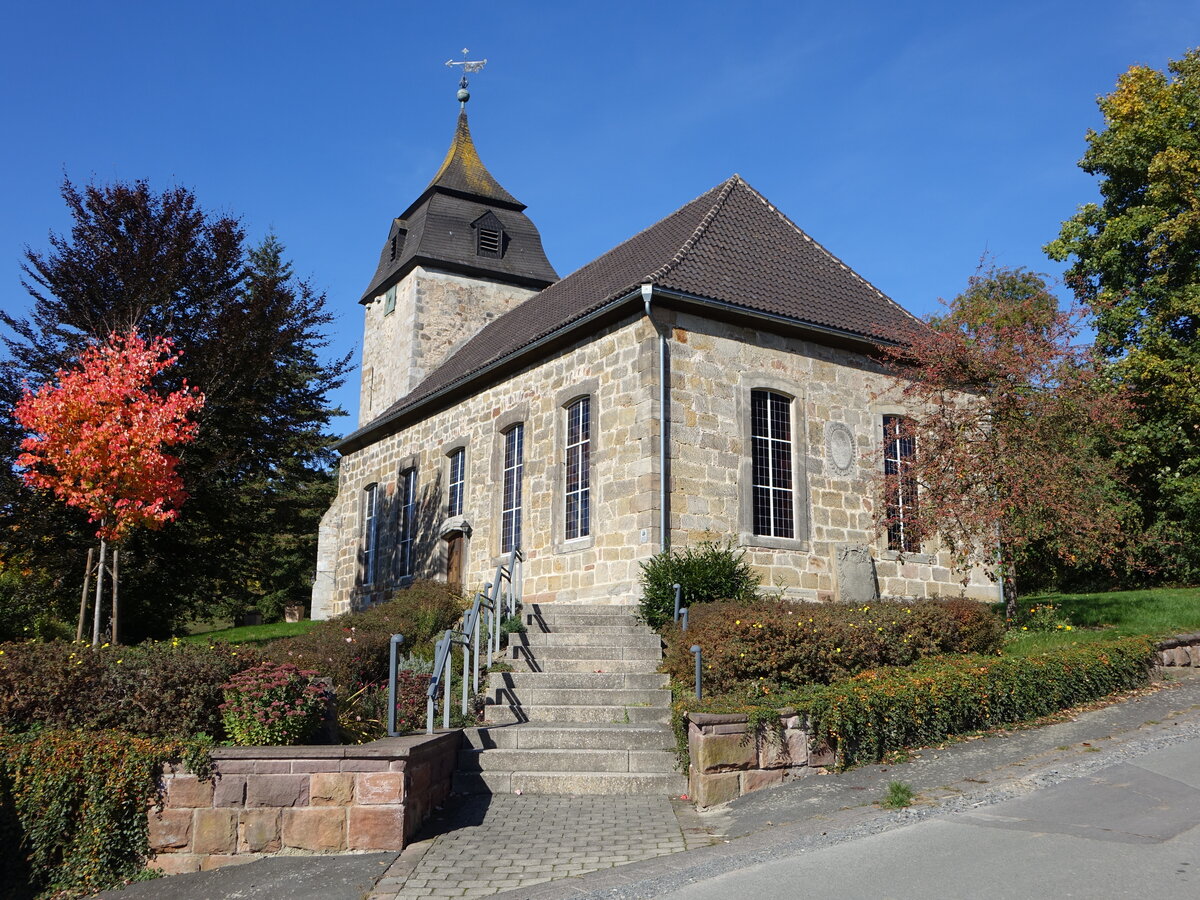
(469, 67)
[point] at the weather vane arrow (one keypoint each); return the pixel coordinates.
(469, 67)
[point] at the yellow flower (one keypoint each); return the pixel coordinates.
(737, 621)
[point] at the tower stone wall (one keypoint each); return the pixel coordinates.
(435, 313)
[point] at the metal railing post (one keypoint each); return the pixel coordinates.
(397, 640)
(448, 676)
(678, 597)
(475, 673)
(696, 650)
(683, 618)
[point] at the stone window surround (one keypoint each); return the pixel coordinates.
(878, 411)
(752, 381)
(460, 523)
(411, 461)
(405, 518)
(589, 388)
(518, 414)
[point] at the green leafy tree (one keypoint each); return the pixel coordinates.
(252, 335)
(1135, 262)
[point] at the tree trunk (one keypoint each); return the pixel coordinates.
(99, 595)
(87, 578)
(116, 580)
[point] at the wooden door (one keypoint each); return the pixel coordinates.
(455, 547)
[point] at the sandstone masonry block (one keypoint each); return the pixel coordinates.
(332, 789)
(277, 790)
(714, 788)
(214, 831)
(170, 829)
(822, 755)
(720, 752)
(175, 863)
(230, 790)
(320, 829)
(376, 828)
(188, 792)
(259, 830)
(379, 787)
(757, 779)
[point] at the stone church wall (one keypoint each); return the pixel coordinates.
(839, 399)
(613, 368)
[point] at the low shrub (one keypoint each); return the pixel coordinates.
(705, 573)
(73, 806)
(875, 713)
(272, 704)
(362, 714)
(776, 645)
(166, 689)
(353, 650)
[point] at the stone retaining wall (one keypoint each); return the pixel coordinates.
(318, 799)
(727, 761)
(1181, 650)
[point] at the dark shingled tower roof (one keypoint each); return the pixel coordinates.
(729, 247)
(438, 229)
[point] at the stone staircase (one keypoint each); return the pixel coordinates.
(585, 712)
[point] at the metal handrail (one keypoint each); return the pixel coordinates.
(498, 603)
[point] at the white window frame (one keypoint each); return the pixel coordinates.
(577, 464)
(369, 533)
(770, 480)
(512, 469)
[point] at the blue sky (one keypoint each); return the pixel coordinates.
(908, 138)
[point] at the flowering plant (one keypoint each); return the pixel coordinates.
(272, 705)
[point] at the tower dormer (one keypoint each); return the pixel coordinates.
(461, 254)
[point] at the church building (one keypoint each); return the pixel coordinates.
(715, 377)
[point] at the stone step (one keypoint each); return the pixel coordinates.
(585, 665)
(589, 652)
(570, 783)
(572, 628)
(532, 736)
(502, 714)
(594, 681)
(662, 762)
(532, 697)
(633, 638)
(555, 611)
(581, 620)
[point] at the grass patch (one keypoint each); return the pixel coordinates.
(253, 634)
(1157, 612)
(898, 796)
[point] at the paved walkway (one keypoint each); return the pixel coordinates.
(483, 844)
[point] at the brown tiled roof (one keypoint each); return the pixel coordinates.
(728, 245)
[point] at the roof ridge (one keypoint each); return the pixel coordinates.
(666, 268)
(821, 247)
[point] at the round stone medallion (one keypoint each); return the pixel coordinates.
(839, 447)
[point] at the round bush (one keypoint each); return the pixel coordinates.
(272, 705)
(706, 573)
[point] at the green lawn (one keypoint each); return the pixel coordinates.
(252, 634)
(1159, 612)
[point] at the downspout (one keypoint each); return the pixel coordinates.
(664, 425)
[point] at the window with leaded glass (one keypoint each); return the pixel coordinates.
(771, 458)
(369, 533)
(899, 450)
(510, 510)
(457, 480)
(577, 482)
(408, 522)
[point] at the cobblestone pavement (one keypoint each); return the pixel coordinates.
(483, 844)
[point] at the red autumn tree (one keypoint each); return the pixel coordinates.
(98, 437)
(99, 433)
(1005, 450)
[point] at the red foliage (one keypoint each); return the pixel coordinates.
(99, 433)
(1014, 431)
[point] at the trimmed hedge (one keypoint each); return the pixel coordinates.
(167, 689)
(876, 713)
(882, 711)
(777, 645)
(705, 573)
(73, 807)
